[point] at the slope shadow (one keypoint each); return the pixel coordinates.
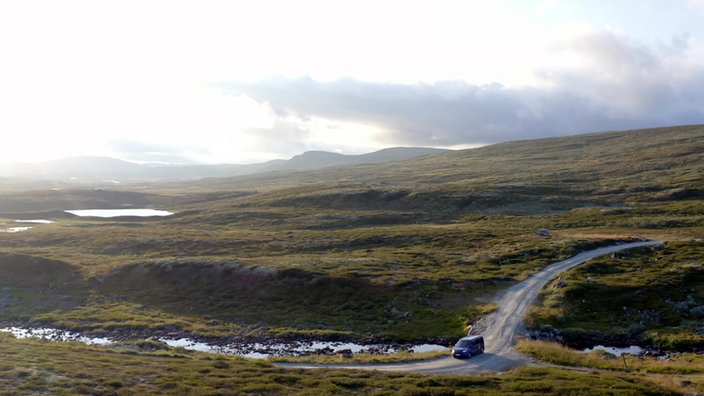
(333, 307)
(31, 285)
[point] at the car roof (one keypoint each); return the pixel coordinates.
(471, 338)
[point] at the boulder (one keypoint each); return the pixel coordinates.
(697, 312)
(544, 233)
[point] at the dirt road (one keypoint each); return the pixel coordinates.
(501, 327)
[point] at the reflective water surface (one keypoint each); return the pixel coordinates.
(251, 350)
(119, 212)
(631, 350)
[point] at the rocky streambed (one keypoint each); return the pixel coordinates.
(250, 347)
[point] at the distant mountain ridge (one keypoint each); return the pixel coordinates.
(106, 168)
(323, 159)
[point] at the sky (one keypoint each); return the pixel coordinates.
(170, 81)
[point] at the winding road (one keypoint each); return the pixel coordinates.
(501, 327)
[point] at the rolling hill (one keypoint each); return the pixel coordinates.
(541, 175)
(599, 169)
(90, 168)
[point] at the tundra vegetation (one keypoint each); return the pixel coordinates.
(409, 251)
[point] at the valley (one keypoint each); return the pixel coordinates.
(401, 252)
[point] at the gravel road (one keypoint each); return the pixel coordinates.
(501, 327)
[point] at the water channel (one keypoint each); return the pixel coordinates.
(616, 351)
(250, 350)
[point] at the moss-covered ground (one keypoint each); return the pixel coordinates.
(36, 367)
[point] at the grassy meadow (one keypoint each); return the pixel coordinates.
(645, 296)
(410, 251)
(41, 367)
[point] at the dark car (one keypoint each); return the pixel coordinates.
(466, 347)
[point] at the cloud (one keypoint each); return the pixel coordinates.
(698, 4)
(285, 135)
(162, 153)
(634, 84)
(412, 114)
(604, 82)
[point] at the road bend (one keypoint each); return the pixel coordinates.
(500, 328)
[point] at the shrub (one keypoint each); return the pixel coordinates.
(675, 339)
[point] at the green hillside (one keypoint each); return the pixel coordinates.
(587, 158)
(521, 177)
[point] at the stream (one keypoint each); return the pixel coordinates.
(250, 350)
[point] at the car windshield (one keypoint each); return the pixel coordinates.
(463, 344)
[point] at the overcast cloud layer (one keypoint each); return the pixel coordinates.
(617, 84)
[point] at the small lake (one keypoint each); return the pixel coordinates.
(25, 228)
(250, 350)
(35, 221)
(18, 229)
(105, 213)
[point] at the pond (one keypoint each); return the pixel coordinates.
(250, 350)
(35, 221)
(25, 228)
(17, 229)
(105, 213)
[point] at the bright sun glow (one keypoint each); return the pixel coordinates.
(142, 80)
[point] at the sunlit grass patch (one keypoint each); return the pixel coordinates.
(340, 358)
(681, 363)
